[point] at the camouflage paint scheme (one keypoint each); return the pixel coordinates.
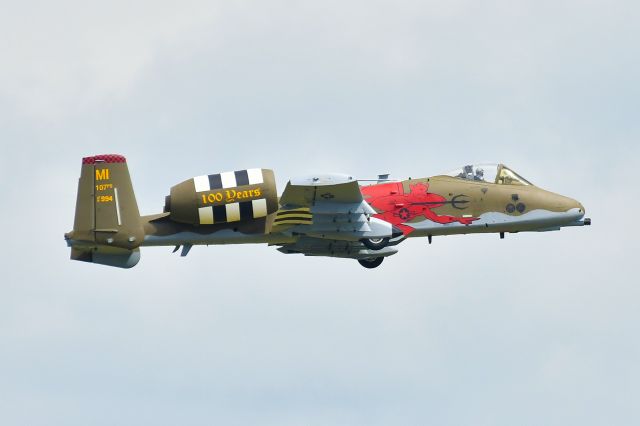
(324, 215)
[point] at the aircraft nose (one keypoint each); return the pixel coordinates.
(563, 203)
(571, 207)
(570, 210)
(574, 206)
(578, 211)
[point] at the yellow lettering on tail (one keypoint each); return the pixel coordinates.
(102, 174)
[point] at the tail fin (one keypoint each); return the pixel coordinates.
(107, 227)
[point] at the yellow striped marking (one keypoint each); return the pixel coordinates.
(302, 210)
(299, 216)
(292, 222)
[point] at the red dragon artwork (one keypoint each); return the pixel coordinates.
(397, 207)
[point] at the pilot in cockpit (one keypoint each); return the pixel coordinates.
(489, 173)
(479, 174)
(467, 172)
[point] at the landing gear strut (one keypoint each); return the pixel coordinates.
(375, 243)
(371, 263)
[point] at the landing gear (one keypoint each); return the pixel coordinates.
(375, 243)
(371, 263)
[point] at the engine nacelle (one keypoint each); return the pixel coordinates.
(238, 196)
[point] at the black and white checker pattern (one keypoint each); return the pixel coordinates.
(228, 180)
(232, 212)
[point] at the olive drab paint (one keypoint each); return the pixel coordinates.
(224, 197)
(107, 215)
(320, 215)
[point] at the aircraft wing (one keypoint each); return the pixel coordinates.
(309, 191)
(328, 207)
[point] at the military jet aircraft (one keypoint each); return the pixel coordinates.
(319, 215)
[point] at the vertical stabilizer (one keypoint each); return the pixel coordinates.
(107, 227)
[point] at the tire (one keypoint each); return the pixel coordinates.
(371, 263)
(375, 243)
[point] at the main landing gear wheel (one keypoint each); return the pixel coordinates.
(375, 243)
(371, 263)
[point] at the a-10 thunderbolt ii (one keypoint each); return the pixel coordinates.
(320, 215)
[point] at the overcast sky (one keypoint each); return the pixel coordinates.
(534, 329)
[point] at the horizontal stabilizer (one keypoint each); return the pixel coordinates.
(109, 256)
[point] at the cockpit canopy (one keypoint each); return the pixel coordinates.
(490, 173)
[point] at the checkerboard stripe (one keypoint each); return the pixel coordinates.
(233, 212)
(228, 180)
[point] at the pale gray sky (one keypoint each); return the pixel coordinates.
(536, 329)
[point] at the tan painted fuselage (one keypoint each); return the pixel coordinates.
(324, 215)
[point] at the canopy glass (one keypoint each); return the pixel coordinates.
(490, 173)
